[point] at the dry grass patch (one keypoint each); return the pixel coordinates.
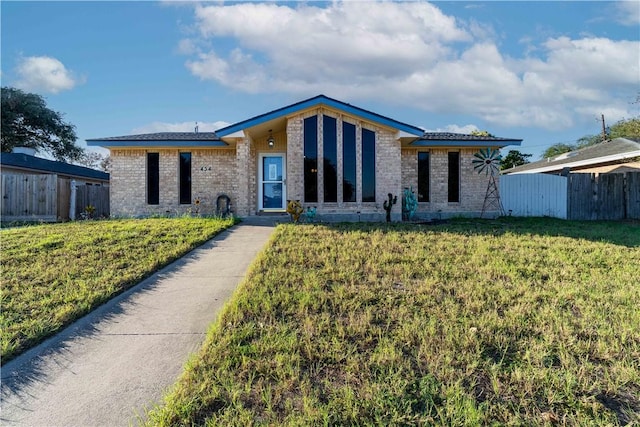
(522, 322)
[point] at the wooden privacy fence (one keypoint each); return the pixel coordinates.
(28, 197)
(579, 196)
(48, 198)
(604, 196)
(93, 195)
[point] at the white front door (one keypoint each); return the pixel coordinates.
(272, 188)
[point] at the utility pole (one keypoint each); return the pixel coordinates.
(604, 129)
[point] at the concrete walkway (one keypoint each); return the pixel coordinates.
(106, 368)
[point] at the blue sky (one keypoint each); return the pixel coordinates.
(541, 71)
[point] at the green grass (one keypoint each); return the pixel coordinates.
(53, 274)
(508, 322)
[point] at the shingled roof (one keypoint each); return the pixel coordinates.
(615, 150)
(163, 136)
(448, 138)
(174, 139)
(38, 164)
(213, 139)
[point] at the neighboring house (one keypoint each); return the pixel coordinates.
(26, 164)
(328, 154)
(37, 189)
(617, 155)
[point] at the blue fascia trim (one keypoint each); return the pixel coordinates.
(458, 143)
(316, 101)
(103, 143)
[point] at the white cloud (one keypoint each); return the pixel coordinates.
(45, 74)
(410, 52)
(179, 127)
(453, 128)
(187, 47)
(628, 12)
(311, 45)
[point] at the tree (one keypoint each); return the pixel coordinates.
(625, 128)
(587, 141)
(514, 158)
(481, 133)
(28, 122)
(557, 149)
(105, 164)
(94, 160)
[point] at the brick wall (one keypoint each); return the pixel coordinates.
(409, 168)
(388, 161)
(234, 172)
(213, 172)
(473, 186)
(243, 159)
(295, 158)
(388, 170)
(127, 192)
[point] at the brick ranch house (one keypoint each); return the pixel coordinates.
(337, 157)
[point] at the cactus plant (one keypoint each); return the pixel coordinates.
(310, 213)
(388, 205)
(409, 204)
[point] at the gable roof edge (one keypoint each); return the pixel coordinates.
(316, 101)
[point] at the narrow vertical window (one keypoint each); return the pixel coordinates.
(330, 158)
(153, 178)
(423, 176)
(368, 166)
(454, 176)
(311, 159)
(185, 178)
(348, 162)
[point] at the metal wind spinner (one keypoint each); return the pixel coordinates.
(487, 161)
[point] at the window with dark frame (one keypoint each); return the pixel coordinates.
(423, 176)
(368, 165)
(153, 178)
(330, 158)
(348, 162)
(311, 159)
(185, 178)
(454, 177)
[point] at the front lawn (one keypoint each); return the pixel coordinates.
(514, 321)
(53, 274)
